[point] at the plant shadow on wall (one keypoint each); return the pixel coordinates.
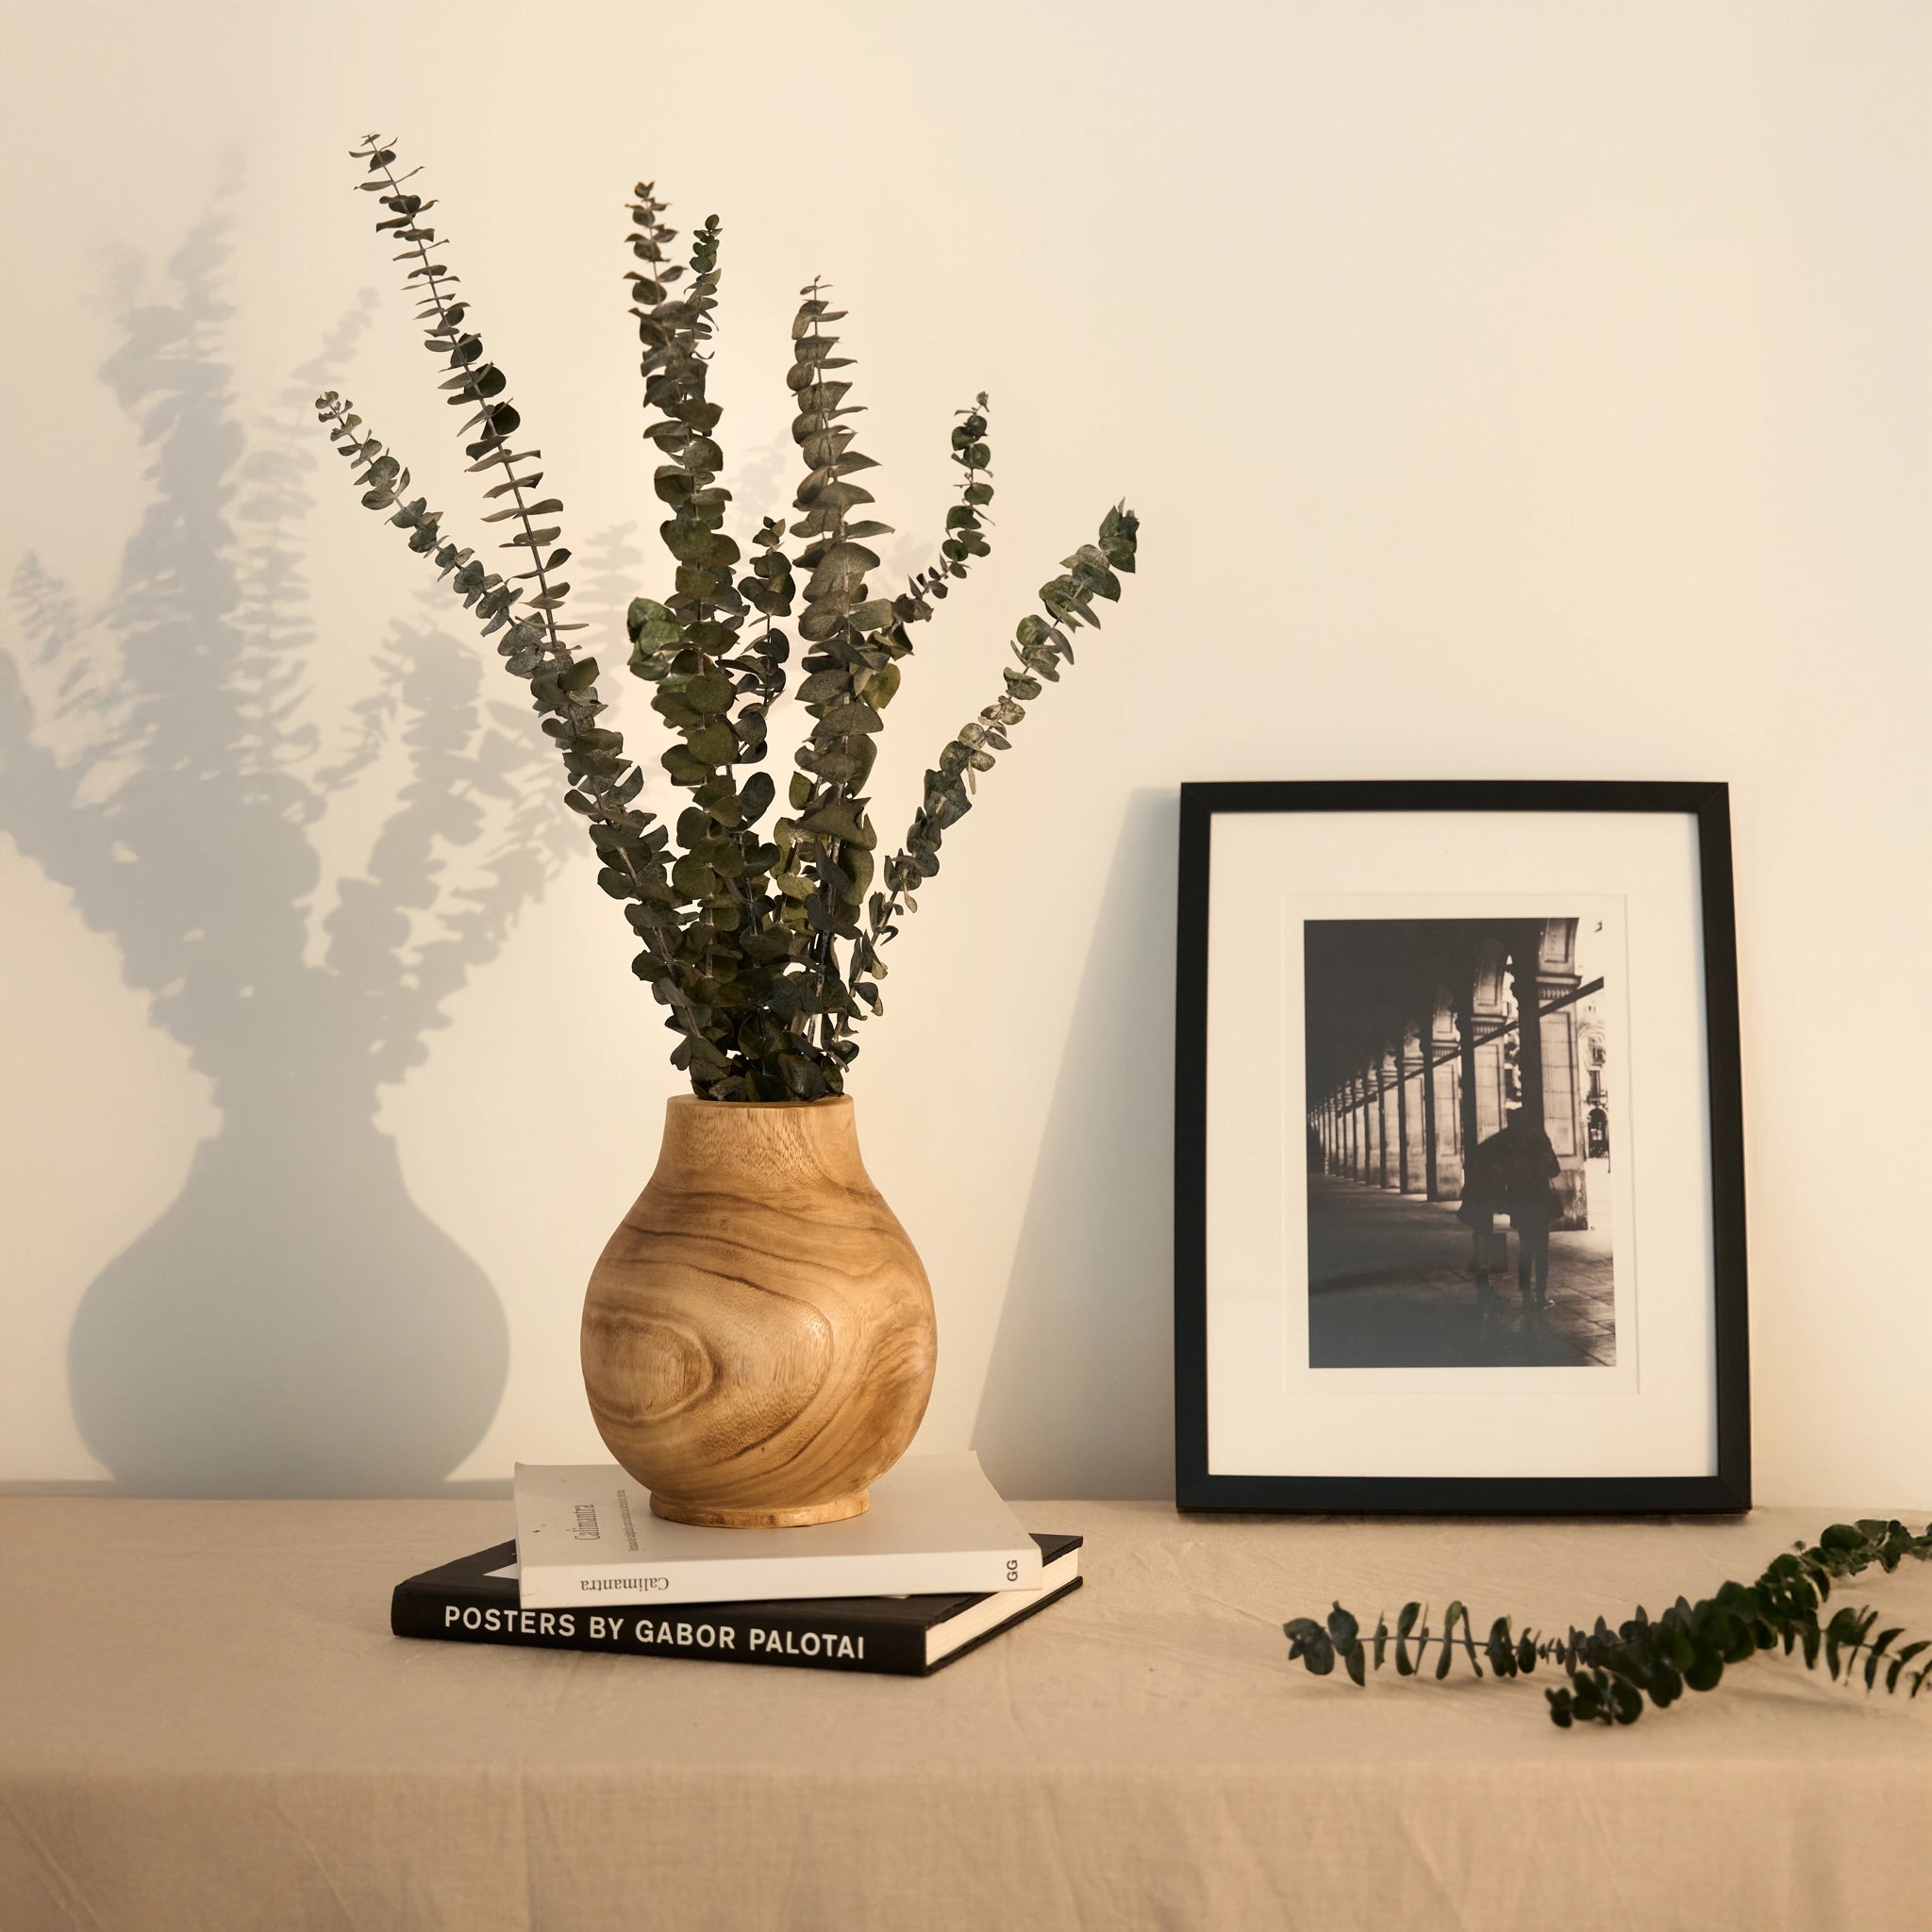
(293, 1323)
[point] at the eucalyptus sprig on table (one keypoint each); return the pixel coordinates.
(1687, 1647)
(765, 948)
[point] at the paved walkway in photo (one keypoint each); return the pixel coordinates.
(1392, 1284)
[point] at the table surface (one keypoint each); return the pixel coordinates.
(204, 1723)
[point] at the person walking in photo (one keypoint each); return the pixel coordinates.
(1527, 1164)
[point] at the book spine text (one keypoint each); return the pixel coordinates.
(719, 1635)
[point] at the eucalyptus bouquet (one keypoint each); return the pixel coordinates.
(764, 944)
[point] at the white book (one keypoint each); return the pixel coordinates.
(586, 1536)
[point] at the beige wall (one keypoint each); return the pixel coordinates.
(1432, 344)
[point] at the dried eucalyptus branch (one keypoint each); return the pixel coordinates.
(1687, 1647)
(1040, 645)
(712, 690)
(604, 784)
(742, 933)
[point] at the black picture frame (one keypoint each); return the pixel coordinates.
(1196, 1487)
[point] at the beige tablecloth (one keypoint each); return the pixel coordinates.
(204, 1724)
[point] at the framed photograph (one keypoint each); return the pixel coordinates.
(1459, 1175)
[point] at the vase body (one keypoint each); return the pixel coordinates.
(758, 1339)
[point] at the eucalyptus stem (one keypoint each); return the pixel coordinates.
(1610, 1673)
(433, 274)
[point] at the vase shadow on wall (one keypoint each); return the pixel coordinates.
(293, 1323)
(1078, 1399)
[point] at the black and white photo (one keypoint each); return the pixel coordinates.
(1460, 1165)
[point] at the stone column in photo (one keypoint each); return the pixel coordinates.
(1379, 1166)
(1485, 1053)
(1525, 951)
(1398, 1087)
(1415, 1159)
(1425, 1105)
(1558, 1100)
(1445, 1083)
(1351, 1147)
(1392, 1127)
(1479, 1026)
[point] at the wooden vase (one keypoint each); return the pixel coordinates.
(758, 1339)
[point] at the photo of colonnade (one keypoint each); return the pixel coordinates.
(1459, 1159)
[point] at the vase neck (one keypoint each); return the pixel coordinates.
(761, 1143)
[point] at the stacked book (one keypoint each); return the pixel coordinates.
(934, 1567)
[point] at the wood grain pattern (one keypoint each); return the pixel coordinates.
(758, 1339)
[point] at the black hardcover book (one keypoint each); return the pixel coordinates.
(473, 1600)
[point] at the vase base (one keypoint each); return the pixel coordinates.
(712, 1516)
